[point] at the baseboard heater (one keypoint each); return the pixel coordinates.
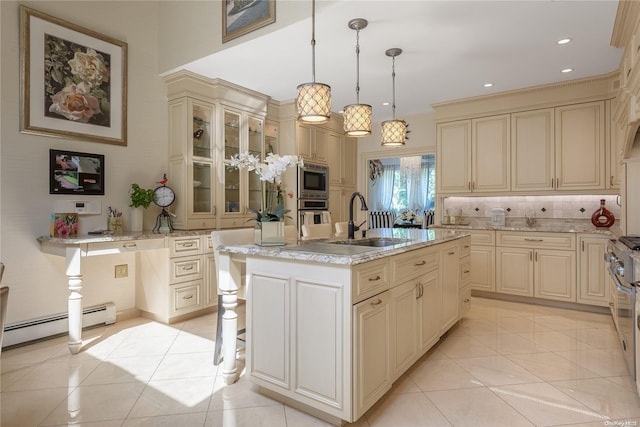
(56, 324)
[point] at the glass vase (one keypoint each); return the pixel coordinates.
(269, 233)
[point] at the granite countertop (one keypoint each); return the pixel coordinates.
(324, 251)
(542, 225)
(99, 238)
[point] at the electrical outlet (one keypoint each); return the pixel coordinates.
(122, 271)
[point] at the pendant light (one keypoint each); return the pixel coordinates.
(394, 132)
(357, 117)
(314, 99)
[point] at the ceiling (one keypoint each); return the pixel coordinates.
(450, 49)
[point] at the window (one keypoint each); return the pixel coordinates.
(402, 183)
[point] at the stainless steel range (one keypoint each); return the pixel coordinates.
(624, 268)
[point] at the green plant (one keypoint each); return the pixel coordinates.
(140, 196)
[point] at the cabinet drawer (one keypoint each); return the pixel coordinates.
(465, 271)
(240, 222)
(185, 246)
(201, 223)
(187, 268)
(370, 279)
(483, 237)
(536, 240)
(104, 248)
(185, 297)
(208, 244)
(412, 264)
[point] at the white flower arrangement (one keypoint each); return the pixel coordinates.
(409, 216)
(270, 171)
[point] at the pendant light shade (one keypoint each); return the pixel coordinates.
(394, 132)
(357, 117)
(314, 99)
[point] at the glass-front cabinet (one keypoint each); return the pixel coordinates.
(242, 188)
(191, 162)
(210, 120)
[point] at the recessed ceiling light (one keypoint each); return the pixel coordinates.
(386, 103)
(488, 84)
(567, 70)
(564, 41)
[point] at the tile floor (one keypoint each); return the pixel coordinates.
(505, 364)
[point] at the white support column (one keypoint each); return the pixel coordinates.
(74, 274)
(229, 280)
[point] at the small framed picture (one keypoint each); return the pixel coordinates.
(240, 17)
(73, 80)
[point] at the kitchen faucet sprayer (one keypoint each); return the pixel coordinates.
(351, 226)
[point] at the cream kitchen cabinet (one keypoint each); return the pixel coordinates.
(334, 337)
(532, 150)
(178, 282)
(592, 275)
(580, 155)
(312, 142)
(473, 155)
(339, 204)
(242, 189)
(191, 162)
(372, 350)
(342, 155)
(210, 120)
(482, 260)
(541, 265)
(559, 149)
(450, 282)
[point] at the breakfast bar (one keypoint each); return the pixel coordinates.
(332, 324)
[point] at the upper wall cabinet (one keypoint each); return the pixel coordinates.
(312, 143)
(473, 155)
(209, 121)
(547, 150)
(580, 146)
(532, 150)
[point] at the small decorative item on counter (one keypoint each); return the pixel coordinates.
(114, 221)
(603, 216)
(64, 224)
(272, 207)
(408, 217)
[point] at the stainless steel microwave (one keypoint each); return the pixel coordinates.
(313, 181)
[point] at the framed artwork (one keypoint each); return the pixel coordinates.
(73, 81)
(240, 17)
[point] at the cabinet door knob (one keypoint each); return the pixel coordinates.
(373, 279)
(129, 245)
(378, 302)
(187, 297)
(188, 267)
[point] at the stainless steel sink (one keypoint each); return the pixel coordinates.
(377, 242)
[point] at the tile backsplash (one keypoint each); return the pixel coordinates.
(544, 207)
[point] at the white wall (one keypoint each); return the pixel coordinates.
(37, 281)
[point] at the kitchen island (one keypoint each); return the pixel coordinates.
(331, 325)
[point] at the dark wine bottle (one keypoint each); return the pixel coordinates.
(603, 216)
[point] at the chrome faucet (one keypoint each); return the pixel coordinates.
(351, 228)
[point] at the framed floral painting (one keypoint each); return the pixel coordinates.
(240, 17)
(73, 80)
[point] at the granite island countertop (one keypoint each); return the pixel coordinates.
(329, 252)
(541, 225)
(120, 237)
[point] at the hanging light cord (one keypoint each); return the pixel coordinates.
(313, 40)
(393, 79)
(358, 66)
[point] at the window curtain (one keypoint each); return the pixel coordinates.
(383, 189)
(418, 185)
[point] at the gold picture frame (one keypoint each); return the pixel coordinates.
(73, 81)
(240, 17)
